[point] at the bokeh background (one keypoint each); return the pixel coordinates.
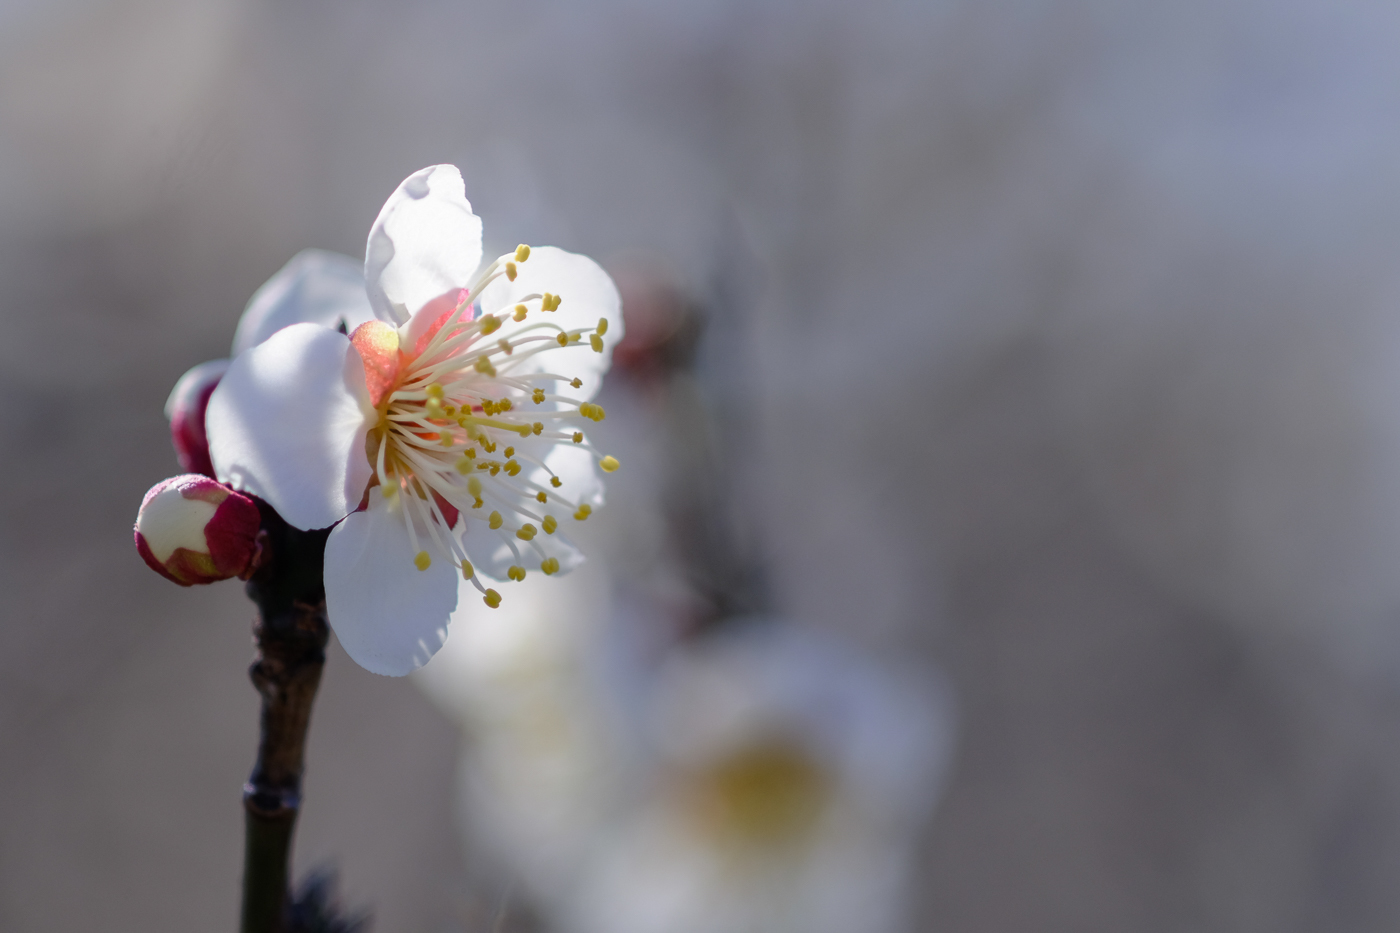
(1056, 345)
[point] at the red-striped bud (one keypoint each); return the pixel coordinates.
(192, 529)
(185, 409)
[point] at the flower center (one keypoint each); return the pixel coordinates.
(464, 427)
(763, 795)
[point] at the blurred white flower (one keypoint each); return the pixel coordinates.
(763, 779)
(455, 363)
(791, 783)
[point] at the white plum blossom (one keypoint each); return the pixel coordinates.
(791, 781)
(443, 436)
(762, 779)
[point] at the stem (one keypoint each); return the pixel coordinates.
(290, 634)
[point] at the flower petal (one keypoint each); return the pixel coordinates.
(493, 553)
(390, 616)
(288, 422)
(316, 287)
(425, 243)
(588, 294)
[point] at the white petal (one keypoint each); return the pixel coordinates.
(316, 287)
(588, 294)
(492, 556)
(577, 468)
(288, 422)
(425, 242)
(390, 616)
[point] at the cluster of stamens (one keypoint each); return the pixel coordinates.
(460, 432)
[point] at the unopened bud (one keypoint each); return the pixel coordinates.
(192, 529)
(185, 409)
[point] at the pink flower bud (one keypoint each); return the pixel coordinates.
(185, 409)
(192, 529)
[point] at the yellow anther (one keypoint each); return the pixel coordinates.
(516, 573)
(435, 408)
(495, 520)
(492, 598)
(504, 405)
(494, 468)
(478, 503)
(474, 487)
(537, 396)
(510, 271)
(550, 565)
(520, 312)
(563, 339)
(389, 490)
(510, 451)
(483, 366)
(596, 343)
(434, 390)
(445, 439)
(541, 497)
(546, 302)
(513, 467)
(556, 482)
(469, 453)
(450, 409)
(422, 561)
(609, 464)
(524, 430)
(490, 324)
(549, 524)
(522, 253)
(536, 428)
(578, 437)
(505, 346)
(583, 512)
(464, 466)
(576, 382)
(467, 570)
(527, 532)
(488, 445)
(602, 327)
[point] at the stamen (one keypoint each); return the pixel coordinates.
(492, 599)
(423, 561)
(609, 464)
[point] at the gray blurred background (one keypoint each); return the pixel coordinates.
(1058, 342)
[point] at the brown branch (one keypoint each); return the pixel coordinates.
(290, 634)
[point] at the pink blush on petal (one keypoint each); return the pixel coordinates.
(378, 346)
